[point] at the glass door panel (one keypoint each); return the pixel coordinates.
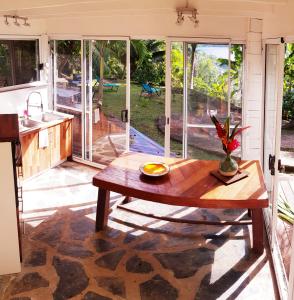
(67, 86)
(207, 82)
(147, 117)
(213, 86)
(177, 96)
(106, 113)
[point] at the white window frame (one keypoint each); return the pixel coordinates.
(185, 41)
(36, 83)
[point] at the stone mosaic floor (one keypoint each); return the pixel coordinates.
(136, 257)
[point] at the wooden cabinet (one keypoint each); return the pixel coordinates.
(35, 159)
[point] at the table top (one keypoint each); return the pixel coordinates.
(189, 183)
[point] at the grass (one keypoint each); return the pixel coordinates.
(145, 112)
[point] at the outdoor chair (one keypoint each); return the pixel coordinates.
(107, 84)
(150, 91)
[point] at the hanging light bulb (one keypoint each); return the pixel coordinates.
(180, 18)
(26, 22)
(6, 21)
(15, 21)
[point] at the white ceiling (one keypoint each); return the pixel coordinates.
(60, 8)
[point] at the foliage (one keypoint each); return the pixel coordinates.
(68, 57)
(5, 70)
(285, 211)
(147, 61)
(288, 99)
(209, 73)
(177, 70)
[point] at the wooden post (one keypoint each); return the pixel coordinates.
(102, 209)
(257, 230)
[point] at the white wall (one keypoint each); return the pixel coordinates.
(37, 27)
(15, 101)
(154, 25)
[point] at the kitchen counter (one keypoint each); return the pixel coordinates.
(45, 144)
(43, 125)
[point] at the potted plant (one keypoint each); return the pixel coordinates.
(228, 167)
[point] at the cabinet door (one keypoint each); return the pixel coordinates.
(66, 139)
(61, 142)
(34, 159)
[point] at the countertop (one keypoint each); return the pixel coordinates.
(43, 125)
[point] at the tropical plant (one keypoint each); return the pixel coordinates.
(285, 211)
(229, 141)
(288, 99)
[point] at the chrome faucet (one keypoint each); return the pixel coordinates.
(34, 105)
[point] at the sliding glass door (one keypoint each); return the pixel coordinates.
(107, 83)
(90, 81)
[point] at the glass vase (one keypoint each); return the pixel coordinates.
(228, 167)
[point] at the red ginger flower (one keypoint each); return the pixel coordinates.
(233, 145)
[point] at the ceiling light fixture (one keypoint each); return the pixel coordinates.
(16, 19)
(190, 12)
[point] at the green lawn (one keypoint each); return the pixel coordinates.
(145, 112)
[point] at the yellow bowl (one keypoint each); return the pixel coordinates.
(154, 169)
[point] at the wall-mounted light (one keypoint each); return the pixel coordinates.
(190, 12)
(15, 19)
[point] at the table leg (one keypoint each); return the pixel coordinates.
(126, 200)
(257, 230)
(102, 209)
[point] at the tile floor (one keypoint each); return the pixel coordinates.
(135, 257)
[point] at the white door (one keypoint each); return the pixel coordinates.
(274, 61)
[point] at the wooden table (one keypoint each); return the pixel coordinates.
(189, 183)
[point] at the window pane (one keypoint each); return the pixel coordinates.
(69, 85)
(236, 83)
(18, 62)
(5, 65)
(177, 86)
(207, 68)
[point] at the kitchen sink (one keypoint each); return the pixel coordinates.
(48, 117)
(29, 123)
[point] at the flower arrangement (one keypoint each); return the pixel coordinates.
(229, 141)
(229, 166)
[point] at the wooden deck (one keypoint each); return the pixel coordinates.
(284, 229)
